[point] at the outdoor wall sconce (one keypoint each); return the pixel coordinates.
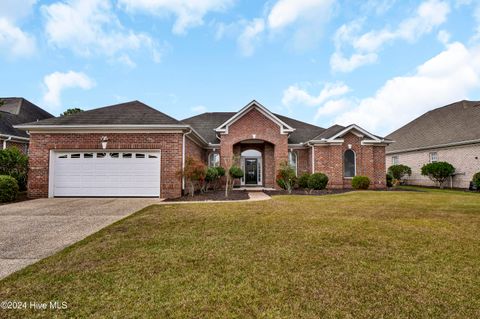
(349, 146)
(104, 141)
(254, 136)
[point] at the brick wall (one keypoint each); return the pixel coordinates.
(170, 145)
(368, 158)
(304, 158)
(23, 147)
(465, 159)
(255, 123)
(195, 151)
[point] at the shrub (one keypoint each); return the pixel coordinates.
(211, 176)
(389, 180)
(235, 172)
(8, 188)
(399, 171)
(220, 171)
(194, 172)
(317, 181)
(360, 182)
(14, 163)
(476, 180)
(286, 177)
(438, 172)
(303, 180)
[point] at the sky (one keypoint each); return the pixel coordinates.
(376, 63)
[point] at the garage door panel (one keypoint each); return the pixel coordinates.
(107, 174)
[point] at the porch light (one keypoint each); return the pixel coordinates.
(254, 136)
(349, 146)
(104, 141)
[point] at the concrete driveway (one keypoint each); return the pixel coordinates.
(35, 229)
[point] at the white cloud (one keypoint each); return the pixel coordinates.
(287, 12)
(444, 79)
(428, 15)
(188, 13)
(296, 95)
(89, 27)
(443, 36)
(199, 109)
(13, 41)
(250, 36)
(333, 107)
(56, 82)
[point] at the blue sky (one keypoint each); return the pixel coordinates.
(377, 63)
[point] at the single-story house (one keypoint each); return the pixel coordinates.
(448, 134)
(14, 111)
(131, 149)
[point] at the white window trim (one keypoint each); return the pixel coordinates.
(395, 160)
(354, 164)
(296, 161)
(430, 157)
(210, 159)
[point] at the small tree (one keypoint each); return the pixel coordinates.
(438, 172)
(194, 173)
(220, 174)
(233, 172)
(211, 177)
(15, 164)
(71, 111)
(286, 177)
(398, 172)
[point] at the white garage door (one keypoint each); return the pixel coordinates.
(106, 173)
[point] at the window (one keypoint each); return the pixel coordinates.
(214, 160)
(152, 156)
(88, 155)
(101, 155)
(63, 156)
(433, 157)
(395, 160)
(292, 161)
(114, 155)
(138, 155)
(76, 155)
(127, 155)
(349, 166)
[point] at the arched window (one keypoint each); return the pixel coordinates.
(214, 160)
(292, 161)
(349, 165)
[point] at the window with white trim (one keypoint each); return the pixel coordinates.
(395, 160)
(433, 157)
(349, 165)
(214, 160)
(293, 160)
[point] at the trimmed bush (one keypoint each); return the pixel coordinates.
(14, 163)
(220, 171)
(389, 180)
(303, 180)
(476, 180)
(235, 172)
(438, 172)
(399, 171)
(8, 188)
(360, 182)
(317, 181)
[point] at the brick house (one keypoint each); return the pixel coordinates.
(131, 149)
(14, 111)
(449, 134)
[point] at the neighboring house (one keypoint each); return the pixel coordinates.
(14, 111)
(448, 134)
(131, 149)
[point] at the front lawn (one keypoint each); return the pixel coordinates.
(357, 255)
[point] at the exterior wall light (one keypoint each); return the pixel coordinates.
(104, 141)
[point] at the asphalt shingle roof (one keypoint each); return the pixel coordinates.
(206, 123)
(129, 113)
(16, 111)
(453, 123)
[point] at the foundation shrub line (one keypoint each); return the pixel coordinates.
(360, 182)
(8, 188)
(317, 181)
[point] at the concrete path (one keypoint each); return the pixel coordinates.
(32, 230)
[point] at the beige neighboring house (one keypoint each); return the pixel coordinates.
(447, 134)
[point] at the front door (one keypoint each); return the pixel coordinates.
(251, 171)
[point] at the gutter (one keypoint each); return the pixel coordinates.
(476, 141)
(5, 142)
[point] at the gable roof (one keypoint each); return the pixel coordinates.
(455, 123)
(206, 123)
(129, 113)
(16, 111)
(284, 128)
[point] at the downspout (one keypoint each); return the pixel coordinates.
(313, 156)
(183, 158)
(5, 142)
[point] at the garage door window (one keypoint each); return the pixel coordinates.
(63, 156)
(127, 155)
(101, 155)
(75, 155)
(139, 155)
(114, 155)
(152, 156)
(88, 155)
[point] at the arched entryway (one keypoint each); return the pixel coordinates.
(251, 161)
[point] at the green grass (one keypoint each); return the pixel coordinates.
(353, 255)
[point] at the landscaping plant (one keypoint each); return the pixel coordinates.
(389, 180)
(438, 172)
(317, 181)
(286, 177)
(476, 180)
(15, 164)
(303, 180)
(8, 188)
(194, 173)
(211, 176)
(234, 172)
(398, 172)
(360, 182)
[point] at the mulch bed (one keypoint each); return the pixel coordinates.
(21, 197)
(212, 196)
